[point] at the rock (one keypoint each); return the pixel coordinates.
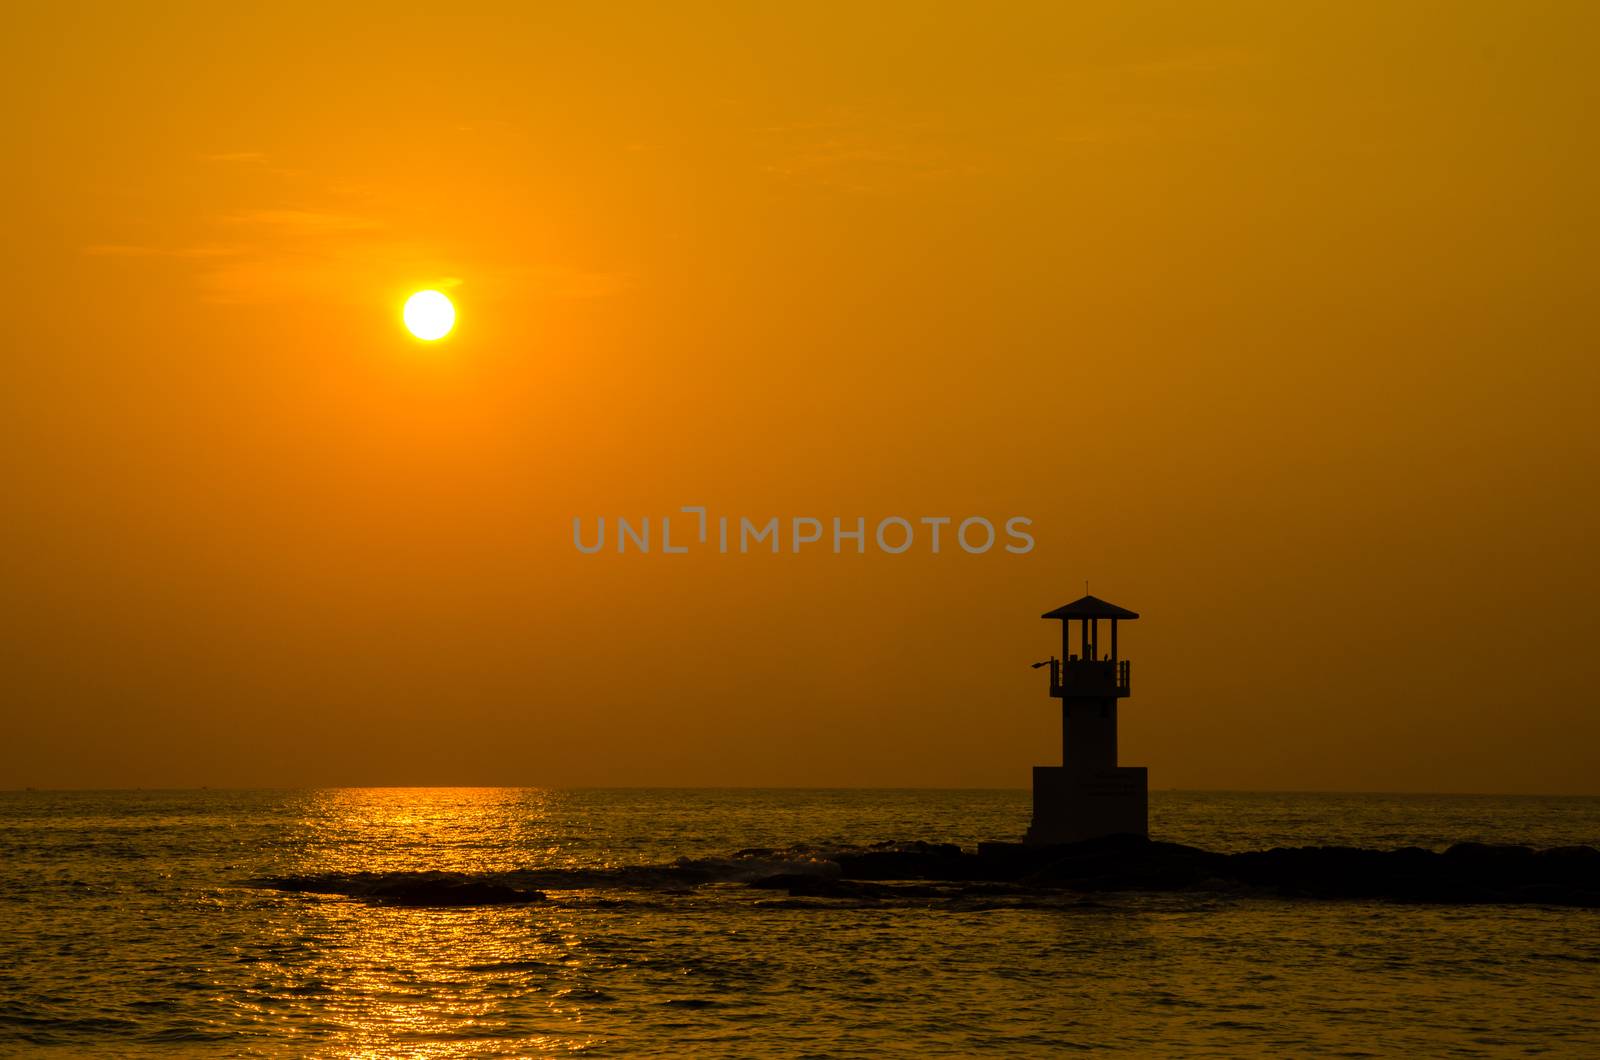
(1488, 851)
(1466, 872)
(415, 889)
(805, 885)
(438, 893)
(924, 861)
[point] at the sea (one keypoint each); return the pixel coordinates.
(130, 927)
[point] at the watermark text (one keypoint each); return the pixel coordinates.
(893, 535)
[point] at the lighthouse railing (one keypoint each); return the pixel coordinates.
(1089, 677)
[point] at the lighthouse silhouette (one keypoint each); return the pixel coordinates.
(1088, 794)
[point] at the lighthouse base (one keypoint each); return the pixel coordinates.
(1074, 804)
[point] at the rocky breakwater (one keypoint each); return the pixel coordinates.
(1466, 872)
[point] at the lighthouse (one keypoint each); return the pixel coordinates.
(1088, 794)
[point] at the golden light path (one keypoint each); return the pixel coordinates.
(447, 985)
(429, 315)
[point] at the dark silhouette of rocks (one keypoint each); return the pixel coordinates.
(1466, 872)
(415, 889)
(1009, 873)
(809, 885)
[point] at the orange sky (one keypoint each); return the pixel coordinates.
(1277, 320)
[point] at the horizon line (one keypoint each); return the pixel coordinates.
(36, 788)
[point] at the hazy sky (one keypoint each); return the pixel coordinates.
(1278, 320)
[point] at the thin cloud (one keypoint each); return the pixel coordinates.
(582, 283)
(261, 254)
(305, 222)
(855, 152)
(134, 250)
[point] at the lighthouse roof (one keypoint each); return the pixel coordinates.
(1090, 607)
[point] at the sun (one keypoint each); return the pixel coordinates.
(429, 315)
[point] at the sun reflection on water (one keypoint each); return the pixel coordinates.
(403, 829)
(365, 980)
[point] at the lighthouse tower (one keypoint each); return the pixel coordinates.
(1088, 794)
